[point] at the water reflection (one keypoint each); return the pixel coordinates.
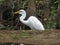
(14, 44)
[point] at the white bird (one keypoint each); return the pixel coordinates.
(32, 21)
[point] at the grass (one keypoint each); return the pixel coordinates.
(21, 35)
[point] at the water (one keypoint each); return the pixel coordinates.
(13, 44)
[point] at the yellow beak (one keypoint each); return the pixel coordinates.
(16, 12)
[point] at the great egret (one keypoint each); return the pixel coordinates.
(32, 21)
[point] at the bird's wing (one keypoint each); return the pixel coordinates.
(34, 23)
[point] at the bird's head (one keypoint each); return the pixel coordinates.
(20, 12)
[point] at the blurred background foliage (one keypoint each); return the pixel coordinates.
(46, 12)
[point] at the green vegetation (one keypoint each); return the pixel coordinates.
(21, 35)
(51, 5)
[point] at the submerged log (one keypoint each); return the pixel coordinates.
(47, 37)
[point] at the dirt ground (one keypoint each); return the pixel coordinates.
(47, 37)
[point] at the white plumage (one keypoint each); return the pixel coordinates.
(32, 21)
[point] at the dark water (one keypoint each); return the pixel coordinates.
(14, 44)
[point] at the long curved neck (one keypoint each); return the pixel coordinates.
(23, 17)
